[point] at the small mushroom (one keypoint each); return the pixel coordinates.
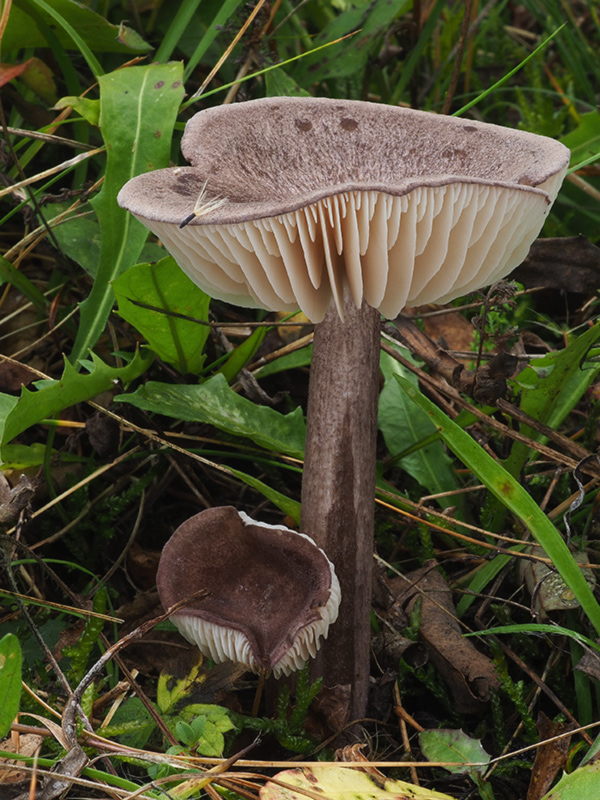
(271, 593)
(347, 210)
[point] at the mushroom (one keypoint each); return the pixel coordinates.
(347, 210)
(271, 593)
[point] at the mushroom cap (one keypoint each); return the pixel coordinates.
(293, 198)
(271, 592)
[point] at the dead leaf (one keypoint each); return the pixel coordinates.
(570, 263)
(104, 434)
(354, 753)
(25, 744)
(13, 376)
(486, 384)
(14, 499)
(336, 783)
(550, 756)
(142, 565)
(450, 331)
(468, 673)
(589, 664)
(329, 711)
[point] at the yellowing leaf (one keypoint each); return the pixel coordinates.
(342, 783)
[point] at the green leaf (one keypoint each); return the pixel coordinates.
(290, 508)
(342, 783)
(198, 726)
(18, 414)
(279, 84)
(10, 681)
(87, 108)
(539, 627)
(180, 23)
(179, 342)
(552, 387)
(297, 358)
(9, 274)
(582, 783)
(38, 76)
(20, 456)
(138, 108)
(454, 745)
(185, 733)
(215, 403)
(549, 391)
(132, 724)
(212, 29)
(98, 34)
(514, 496)
(348, 57)
(211, 743)
(584, 141)
(203, 728)
(41, 11)
(216, 715)
(484, 576)
(403, 426)
(79, 238)
(242, 354)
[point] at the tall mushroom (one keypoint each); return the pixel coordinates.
(347, 210)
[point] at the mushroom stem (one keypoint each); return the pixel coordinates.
(258, 694)
(339, 483)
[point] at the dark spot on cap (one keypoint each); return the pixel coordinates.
(349, 124)
(525, 180)
(303, 124)
(469, 128)
(455, 154)
(159, 85)
(187, 184)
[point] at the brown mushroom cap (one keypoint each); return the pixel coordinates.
(271, 592)
(296, 197)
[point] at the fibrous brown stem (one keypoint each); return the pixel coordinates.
(339, 484)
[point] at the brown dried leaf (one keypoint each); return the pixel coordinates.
(450, 331)
(468, 673)
(13, 376)
(550, 756)
(571, 263)
(24, 744)
(589, 664)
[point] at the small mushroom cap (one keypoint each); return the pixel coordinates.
(293, 198)
(271, 592)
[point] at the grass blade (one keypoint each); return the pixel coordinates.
(511, 494)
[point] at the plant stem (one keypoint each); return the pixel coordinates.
(339, 485)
